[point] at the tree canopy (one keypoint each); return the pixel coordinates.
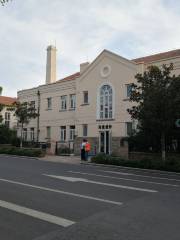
(4, 1)
(24, 113)
(157, 99)
(1, 106)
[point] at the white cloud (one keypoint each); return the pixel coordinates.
(81, 29)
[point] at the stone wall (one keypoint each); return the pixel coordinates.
(120, 147)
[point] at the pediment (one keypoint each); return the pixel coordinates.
(112, 57)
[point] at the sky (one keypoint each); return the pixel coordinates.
(80, 29)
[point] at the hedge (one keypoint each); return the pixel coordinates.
(171, 164)
(30, 152)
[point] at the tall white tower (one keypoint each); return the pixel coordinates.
(51, 64)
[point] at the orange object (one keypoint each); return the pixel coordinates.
(87, 147)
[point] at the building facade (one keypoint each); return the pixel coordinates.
(91, 103)
(6, 114)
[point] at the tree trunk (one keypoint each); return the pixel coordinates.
(21, 139)
(163, 146)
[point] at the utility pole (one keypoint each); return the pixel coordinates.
(38, 112)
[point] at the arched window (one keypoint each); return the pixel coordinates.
(106, 102)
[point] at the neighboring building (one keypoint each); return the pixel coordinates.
(8, 115)
(91, 103)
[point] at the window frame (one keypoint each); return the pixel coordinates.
(63, 101)
(72, 101)
(72, 129)
(24, 134)
(85, 97)
(33, 104)
(127, 129)
(7, 119)
(62, 133)
(106, 101)
(48, 132)
(85, 126)
(128, 92)
(49, 103)
(32, 131)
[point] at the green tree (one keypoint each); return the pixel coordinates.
(7, 136)
(4, 1)
(157, 98)
(1, 106)
(24, 113)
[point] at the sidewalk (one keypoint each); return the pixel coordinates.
(62, 159)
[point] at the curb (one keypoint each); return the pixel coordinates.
(19, 156)
(129, 168)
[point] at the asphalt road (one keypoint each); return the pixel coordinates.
(56, 201)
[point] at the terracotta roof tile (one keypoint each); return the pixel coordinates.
(70, 77)
(7, 100)
(159, 56)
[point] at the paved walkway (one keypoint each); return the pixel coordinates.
(62, 159)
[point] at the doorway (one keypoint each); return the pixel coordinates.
(104, 142)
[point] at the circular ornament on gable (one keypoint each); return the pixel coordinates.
(105, 71)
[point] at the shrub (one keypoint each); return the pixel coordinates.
(171, 164)
(64, 151)
(30, 152)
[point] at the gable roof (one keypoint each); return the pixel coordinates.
(146, 59)
(7, 100)
(70, 77)
(159, 56)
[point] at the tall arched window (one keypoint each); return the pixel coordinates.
(106, 102)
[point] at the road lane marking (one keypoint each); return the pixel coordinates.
(138, 175)
(62, 192)
(126, 179)
(70, 179)
(36, 214)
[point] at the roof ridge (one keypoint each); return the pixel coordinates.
(158, 56)
(70, 77)
(7, 100)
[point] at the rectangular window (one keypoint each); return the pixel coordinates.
(7, 119)
(32, 134)
(49, 103)
(71, 133)
(32, 104)
(72, 101)
(128, 90)
(48, 132)
(85, 130)
(63, 102)
(63, 133)
(24, 134)
(85, 97)
(129, 128)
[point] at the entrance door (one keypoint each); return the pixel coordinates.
(104, 142)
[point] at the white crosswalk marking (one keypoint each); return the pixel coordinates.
(70, 179)
(62, 192)
(125, 179)
(36, 214)
(143, 176)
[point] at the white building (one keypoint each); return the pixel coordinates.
(8, 115)
(91, 103)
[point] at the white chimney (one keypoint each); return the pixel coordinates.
(51, 64)
(83, 66)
